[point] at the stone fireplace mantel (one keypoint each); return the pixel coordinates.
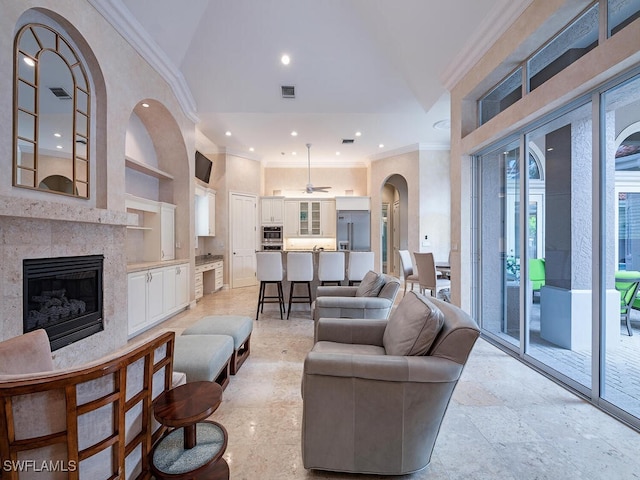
(49, 210)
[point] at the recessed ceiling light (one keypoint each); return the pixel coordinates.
(145, 105)
(29, 61)
(285, 59)
(442, 125)
(358, 134)
(59, 146)
(337, 153)
(227, 133)
(57, 135)
(381, 145)
(294, 134)
(251, 149)
(294, 153)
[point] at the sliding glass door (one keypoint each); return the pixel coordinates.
(560, 263)
(558, 250)
(500, 249)
(620, 379)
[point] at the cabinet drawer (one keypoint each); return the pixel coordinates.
(198, 279)
(199, 292)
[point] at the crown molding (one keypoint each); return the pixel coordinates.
(501, 17)
(123, 21)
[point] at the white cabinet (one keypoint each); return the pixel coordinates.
(155, 290)
(156, 294)
(205, 207)
(309, 218)
(218, 276)
(208, 278)
(151, 233)
(272, 210)
(137, 293)
(328, 218)
(305, 218)
(291, 218)
(176, 288)
(199, 285)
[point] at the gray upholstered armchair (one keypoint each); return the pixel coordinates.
(373, 401)
(371, 299)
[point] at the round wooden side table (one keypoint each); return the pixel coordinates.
(195, 448)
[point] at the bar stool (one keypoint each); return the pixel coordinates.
(269, 270)
(359, 264)
(299, 270)
(331, 267)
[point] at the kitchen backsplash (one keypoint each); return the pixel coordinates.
(310, 243)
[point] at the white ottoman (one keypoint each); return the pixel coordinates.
(236, 326)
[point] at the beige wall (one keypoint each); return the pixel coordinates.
(427, 176)
(539, 22)
(291, 182)
(36, 224)
(229, 174)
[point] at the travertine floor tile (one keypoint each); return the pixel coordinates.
(505, 421)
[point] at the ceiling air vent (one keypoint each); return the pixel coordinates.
(60, 92)
(347, 141)
(288, 91)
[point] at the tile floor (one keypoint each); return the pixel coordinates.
(505, 421)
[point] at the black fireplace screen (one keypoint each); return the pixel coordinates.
(63, 296)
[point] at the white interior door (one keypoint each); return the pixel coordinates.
(242, 230)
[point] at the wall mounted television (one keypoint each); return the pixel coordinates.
(203, 167)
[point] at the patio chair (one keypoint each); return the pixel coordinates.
(627, 283)
(536, 274)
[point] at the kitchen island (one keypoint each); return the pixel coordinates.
(300, 289)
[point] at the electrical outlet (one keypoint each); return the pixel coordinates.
(426, 237)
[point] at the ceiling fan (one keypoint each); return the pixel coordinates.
(310, 188)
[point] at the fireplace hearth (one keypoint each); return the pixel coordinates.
(64, 296)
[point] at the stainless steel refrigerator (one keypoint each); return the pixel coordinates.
(354, 230)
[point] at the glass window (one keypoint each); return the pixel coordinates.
(504, 95)
(621, 13)
(571, 44)
(621, 151)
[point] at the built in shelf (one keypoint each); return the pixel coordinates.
(147, 169)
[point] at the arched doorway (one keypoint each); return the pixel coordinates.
(394, 224)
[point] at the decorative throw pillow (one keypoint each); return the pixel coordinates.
(370, 285)
(413, 326)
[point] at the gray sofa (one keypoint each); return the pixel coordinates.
(342, 302)
(367, 409)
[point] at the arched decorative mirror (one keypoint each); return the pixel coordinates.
(51, 121)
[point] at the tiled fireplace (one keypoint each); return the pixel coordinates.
(77, 232)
